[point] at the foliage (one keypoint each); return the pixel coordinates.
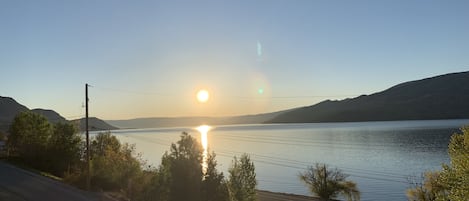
(185, 168)
(29, 137)
(452, 183)
(429, 190)
(455, 177)
(181, 177)
(329, 183)
(65, 148)
(115, 166)
(214, 186)
(242, 181)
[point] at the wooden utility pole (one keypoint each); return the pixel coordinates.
(88, 172)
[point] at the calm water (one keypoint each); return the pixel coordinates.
(378, 156)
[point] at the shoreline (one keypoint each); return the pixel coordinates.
(263, 195)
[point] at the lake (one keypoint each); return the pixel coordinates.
(379, 156)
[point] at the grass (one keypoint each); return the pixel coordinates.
(18, 163)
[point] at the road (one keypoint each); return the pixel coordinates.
(20, 185)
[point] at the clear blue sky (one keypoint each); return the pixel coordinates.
(149, 58)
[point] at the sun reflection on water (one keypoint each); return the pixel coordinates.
(204, 141)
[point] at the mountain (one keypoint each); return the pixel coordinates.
(50, 115)
(9, 108)
(440, 97)
(94, 124)
(192, 121)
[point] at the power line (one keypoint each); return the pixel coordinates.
(128, 91)
(295, 164)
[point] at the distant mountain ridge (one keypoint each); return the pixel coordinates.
(9, 108)
(156, 122)
(440, 97)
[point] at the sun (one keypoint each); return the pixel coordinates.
(202, 95)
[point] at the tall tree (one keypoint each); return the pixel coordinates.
(242, 181)
(114, 165)
(65, 148)
(181, 177)
(214, 186)
(29, 137)
(185, 168)
(328, 183)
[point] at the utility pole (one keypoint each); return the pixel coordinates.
(88, 172)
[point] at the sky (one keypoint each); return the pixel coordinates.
(149, 58)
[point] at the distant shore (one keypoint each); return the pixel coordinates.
(273, 196)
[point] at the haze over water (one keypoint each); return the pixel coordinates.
(379, 156)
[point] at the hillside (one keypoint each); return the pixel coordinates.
(94, 124)
(440, 97)
(50, 115)
(9, 108)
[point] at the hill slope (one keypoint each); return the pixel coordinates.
(51, 115)
(94, 124)
(440, 97)
(9, 108)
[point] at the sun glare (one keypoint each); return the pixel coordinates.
(202, 96)
(204, 141)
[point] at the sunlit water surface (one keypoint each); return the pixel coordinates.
(379, 156)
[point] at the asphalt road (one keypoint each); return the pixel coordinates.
(20, 185)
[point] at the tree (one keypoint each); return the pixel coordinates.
(65, 148)
(114, 165)
(451, 183)
(29, 137)
(242, 181)
(328, 183)
(455, 177)
(181, 177)
(214, 186)
(184, 165)
(429, 190)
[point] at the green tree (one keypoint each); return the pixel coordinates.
(184, 165)
(452, 182)
(115, 166)
(65, 148)
(214, 186)
(181, 177)
(455, 177)
(29, 137)
(328, 183)
(242, 181)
